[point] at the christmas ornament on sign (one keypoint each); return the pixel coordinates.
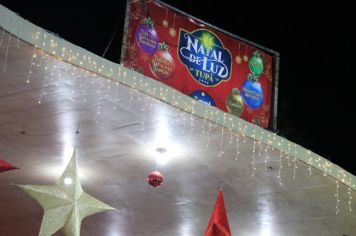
(172, 32)
(147, 37)
(234, 103)
(65, 204)
(162, 62)
(252, 93)
(238, 59)
(5, 166)
(203, 97)
(165, 23)
(155, 179)
(245, 57)
(256, 64)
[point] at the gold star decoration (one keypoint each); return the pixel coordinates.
(65, 204)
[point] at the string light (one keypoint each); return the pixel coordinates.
(206, 120)
(7, 47)
(98, 106)
(231, 131)
(42, 49)
(131, 97)
(221, 153)
(274, 139)
(83, 85)
(216, 119)
(3, 28)
(310, 162)
(295, 161)
(34, 55)
(151, 103)
(350, 197)
(183, 117)
(287, 154)
(279, 176)
(43, 92)
(237, 146)
(266, 157)
(19, 34)
(337, 196)
(143, 111)
(253, 158)
(243, 134)
(192, 118)
(259, 148)
(108, 89)
(209, 129)
(117, 99)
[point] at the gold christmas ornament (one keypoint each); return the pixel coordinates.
(245, 57)
(165, 23)
(238, 59)
(234, 102)
(172, 32)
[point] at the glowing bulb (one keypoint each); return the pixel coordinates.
(68, 181)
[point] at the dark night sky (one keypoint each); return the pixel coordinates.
(317, 90)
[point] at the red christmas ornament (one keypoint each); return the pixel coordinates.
(155, 179)
(4, 166)
(162, 62)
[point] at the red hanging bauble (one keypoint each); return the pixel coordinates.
(155, 179)
(162, 62)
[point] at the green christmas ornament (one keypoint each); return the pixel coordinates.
(256, 64)
(234, 102)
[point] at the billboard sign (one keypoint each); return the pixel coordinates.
(202, 61)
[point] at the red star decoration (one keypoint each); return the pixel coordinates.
(5, 166)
